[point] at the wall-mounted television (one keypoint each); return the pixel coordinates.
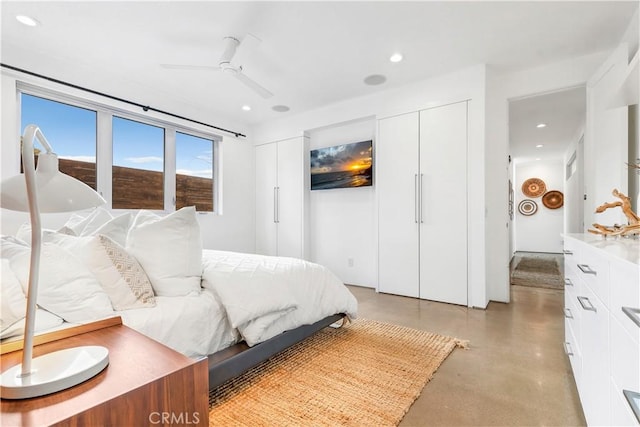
(342, 166)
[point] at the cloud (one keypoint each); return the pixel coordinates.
(340, 157)
(205, 157)
(148, 159)
(88, 159)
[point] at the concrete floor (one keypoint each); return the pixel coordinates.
(515, 372)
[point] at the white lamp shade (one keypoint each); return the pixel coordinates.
(56, 191)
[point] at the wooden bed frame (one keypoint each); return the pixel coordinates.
(239, 358)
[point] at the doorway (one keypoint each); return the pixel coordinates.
(545, 142)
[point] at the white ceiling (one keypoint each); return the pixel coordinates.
(562, 112)
(312, 53)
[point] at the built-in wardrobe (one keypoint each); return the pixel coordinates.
(282, 197)
(421, 161)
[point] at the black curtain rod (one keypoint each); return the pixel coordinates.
(126, 101)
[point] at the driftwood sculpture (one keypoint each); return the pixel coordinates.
(633, 226)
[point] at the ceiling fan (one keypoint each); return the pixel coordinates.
(230, 62)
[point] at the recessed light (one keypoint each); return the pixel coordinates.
(27, 20)
(246, 108)
(375, 79)
(537, 158)
(280, 108)
(396, 57)
(539, 146)
(541, 125)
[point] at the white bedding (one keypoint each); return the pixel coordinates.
(238, 296)
(265, 296)
(194, 325)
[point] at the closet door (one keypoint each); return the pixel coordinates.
(290, 197)
(266, 193)
(443, 210)
(396, 162)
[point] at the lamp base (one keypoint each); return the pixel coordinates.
(53, 372)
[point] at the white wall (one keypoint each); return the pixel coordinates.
(540, 232)
(498, 225)
(574, 185)
(233, 230)
(606, 140)
(468, 83)
(342, 223)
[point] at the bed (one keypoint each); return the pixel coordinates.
(237, 309)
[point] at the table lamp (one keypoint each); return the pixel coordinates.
(46, 190)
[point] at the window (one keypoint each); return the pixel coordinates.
(70, 130)
(138, 165)
(132, 160)
(194, 172)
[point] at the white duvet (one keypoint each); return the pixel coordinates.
(243, 296)
(194, 325)
(264, 296)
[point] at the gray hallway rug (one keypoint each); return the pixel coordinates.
(537, 272)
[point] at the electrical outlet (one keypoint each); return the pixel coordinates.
(350, 262)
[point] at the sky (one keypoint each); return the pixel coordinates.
(346, 157)
(71, 131)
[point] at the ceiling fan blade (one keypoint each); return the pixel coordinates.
(253, 85)
(245, 49)
(189, 67)
(230, 47)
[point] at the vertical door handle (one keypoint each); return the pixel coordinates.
(278, 205)
(415, 197)
(421, 201)
(275, 205)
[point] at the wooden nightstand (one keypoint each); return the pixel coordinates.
(146, 383)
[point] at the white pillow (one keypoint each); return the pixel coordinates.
(116, 229)
(66, 287)
(44, 320)
(170, 251)
(13, 303)
(119, 273)
(83, 225)
(24, 232)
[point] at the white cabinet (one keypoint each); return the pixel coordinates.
(281, 197)
(421, 160)
(602, 293)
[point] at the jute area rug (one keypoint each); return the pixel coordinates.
(537, 272)
(366, 373)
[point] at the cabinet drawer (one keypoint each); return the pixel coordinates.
(594, 272)
(572, 350)
(625, 358)
(572, 285)
(621, 412)
(595, 379)
(625, 292)
(572, 314)
(571, 257)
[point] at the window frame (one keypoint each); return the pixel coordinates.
(104, 144)
(214, 166)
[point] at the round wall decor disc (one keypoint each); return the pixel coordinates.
(533, 187)
(553, 199)
(527, 207)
